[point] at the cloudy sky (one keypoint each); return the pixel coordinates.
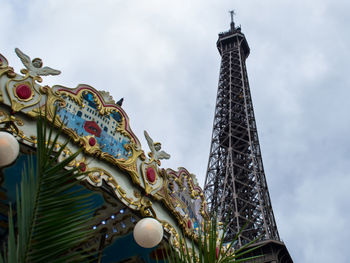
(162, 58)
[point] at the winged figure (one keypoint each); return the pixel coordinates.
(34, 67)
(155, 148)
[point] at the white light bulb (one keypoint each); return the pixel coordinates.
(148, 232)
(9, 148)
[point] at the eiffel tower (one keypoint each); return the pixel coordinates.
(235, 183)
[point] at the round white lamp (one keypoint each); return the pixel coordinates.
(148, 232)
(9, 148)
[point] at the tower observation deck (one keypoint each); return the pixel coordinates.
(235, 183)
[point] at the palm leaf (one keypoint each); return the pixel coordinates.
(208, 249)
(52, 210)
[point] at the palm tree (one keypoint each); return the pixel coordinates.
(52, 208)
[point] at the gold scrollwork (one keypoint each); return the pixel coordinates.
(5, 69)
(34, 77)
(127, 165)
(179, 178)
(146, 208)
(95, 175)
(10, 123)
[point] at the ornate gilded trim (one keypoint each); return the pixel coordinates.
(18, 104)
(151, 187)
(179, 189)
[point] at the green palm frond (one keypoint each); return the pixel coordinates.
(210, 248)
(52, 209)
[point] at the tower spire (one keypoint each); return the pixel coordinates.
(232, 25)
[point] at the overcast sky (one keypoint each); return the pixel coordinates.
(161, 57)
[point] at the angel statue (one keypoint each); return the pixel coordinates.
(34, 67)
(155, 147)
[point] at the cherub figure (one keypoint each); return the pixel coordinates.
(155, 147)
(34, 67)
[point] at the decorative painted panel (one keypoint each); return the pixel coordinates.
(185, 199)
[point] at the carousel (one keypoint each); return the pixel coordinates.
(138, 205)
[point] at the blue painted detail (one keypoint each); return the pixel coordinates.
(90, 99)
(116, 115)
(109, 143)
(121, 211)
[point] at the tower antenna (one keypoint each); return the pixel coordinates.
(232, 12)
(232, 25)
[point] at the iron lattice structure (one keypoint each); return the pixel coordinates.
(235, 184)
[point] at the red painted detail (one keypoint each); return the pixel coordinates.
(82, 167)
(23, 91)
(151, 174)
(92, 141)
(93, 128)
(217, 252)
(189, 224)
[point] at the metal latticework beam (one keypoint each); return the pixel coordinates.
(235, 184)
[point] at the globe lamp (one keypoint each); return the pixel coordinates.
(148, 232)
(9, 148)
